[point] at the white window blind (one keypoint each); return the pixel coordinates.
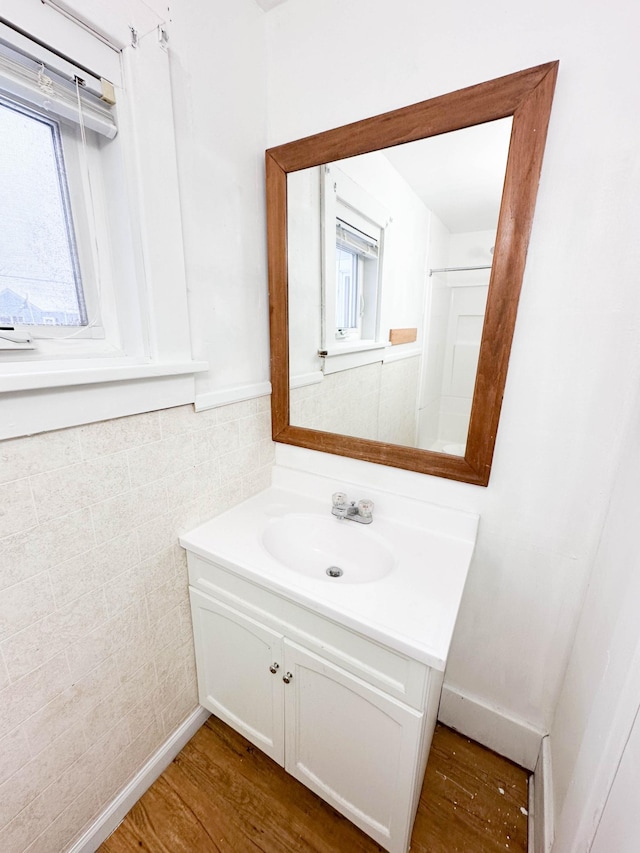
(45, 89)
(355, 239)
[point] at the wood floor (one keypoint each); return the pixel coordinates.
(222, 795)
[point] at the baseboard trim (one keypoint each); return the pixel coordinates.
(515, 738)
(114, 813)
(541, 818)
(213, 399)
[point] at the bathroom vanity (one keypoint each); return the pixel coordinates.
(337, 678)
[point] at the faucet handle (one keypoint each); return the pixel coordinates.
(339, 500)
(365, 508)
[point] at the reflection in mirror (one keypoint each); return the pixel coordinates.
(328, 329)
(394, 240)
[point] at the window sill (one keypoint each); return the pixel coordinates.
(355, 346)
(368, 352)
(24, 378)
(49, 399)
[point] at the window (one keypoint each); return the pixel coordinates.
(40, 280)
(50, 127)
(91, 257)
(353, 242)
(356, 281)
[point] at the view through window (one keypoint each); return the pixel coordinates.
(39, 271)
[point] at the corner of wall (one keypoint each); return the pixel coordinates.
(113, 815)
(491, 726)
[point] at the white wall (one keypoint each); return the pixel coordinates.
(575, 343)
(218, 73)
(600, 697)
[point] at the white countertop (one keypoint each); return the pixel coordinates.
(412, 609)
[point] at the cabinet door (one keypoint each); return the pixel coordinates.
(234, 658)
(353, 745)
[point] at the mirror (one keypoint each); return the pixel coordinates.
(389, 256)
(357, 370)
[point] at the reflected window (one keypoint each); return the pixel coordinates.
(356, 280)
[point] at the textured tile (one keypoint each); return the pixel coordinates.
(14, 749)
(158, 534)
(180, 559)
(21, 457)
(90, 570)
(68, 489)
(166, 458)
(267, 452)
(166, 637)
(25, 603)
(25, 827)
(107, 748)
(101, 716)
(105, 437)
(29, 694)
(4, 675)
(96, 647)
(185, 419)
(17, 509)
(122, 590)
(186, 623)
(157, 570)
(26, 554)
(31, 647)
(69, 708)
(264, 404)
(164, 598)
(118, 773)
(239, 463)
(186, 517)
(126, 512)
(255, 428)
(216, 442)
(213, 503)
(235, 411)
(64, 828)
(138, 658)
(136, 684)
(256, 481)
(179, 709)
(174, 662)
(25, 785)
(125, 677)
(192, 483)
(141, 715)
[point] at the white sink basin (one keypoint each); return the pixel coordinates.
(327, 548)
(403, 575)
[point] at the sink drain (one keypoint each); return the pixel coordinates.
(335, 572)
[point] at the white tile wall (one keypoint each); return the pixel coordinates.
(378, 401)
(96, 656)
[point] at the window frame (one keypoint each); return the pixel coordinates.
(344, 200)
(70, 212)
(150, 365)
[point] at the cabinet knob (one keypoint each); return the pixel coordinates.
(287, 678)
(274, 668)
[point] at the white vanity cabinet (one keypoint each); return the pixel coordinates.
(239, 669)
(347, 716)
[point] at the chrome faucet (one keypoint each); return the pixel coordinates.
(362, 512)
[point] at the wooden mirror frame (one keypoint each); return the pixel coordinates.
(527, 96)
